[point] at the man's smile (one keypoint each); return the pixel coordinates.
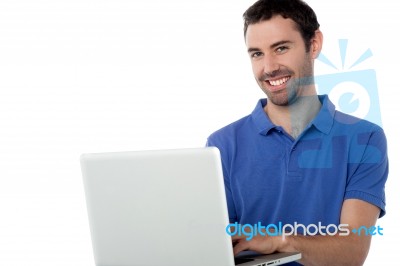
(277, 82)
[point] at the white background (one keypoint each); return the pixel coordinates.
(99, 75)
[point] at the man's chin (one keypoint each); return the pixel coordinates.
(280, 103)
(278, 99)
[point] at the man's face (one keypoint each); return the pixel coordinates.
(282, 67)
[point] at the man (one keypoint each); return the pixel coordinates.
(295, 159)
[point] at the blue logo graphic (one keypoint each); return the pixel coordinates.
(352, 92)
(280, 229)
(368, 231)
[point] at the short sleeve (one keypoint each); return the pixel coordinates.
(369, 168)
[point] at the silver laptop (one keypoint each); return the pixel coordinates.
(166, 207)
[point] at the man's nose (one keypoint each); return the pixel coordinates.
(270, 64)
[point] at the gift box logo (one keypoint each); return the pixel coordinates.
(352, 92)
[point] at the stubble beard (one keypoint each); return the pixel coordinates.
(295, 87)
(282, 98)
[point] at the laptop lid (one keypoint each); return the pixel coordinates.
(157, 207)
(164, 207)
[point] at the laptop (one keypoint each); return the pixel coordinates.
(161, 207)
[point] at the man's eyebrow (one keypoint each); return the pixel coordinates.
(272, 46)
(250, 50)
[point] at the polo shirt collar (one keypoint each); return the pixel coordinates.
(324, 119)
(322, 122)
(261, 119)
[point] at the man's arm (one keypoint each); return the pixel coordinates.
(324, 250)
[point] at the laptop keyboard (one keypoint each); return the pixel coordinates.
(242, 260)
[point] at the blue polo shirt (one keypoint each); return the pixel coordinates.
(271, 177)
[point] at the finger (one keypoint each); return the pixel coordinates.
(241, 246)
(237, 238)
(234, 243)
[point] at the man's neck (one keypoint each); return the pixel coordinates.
(295, 117)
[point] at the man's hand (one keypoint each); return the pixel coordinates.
(261, 244)
(322, 250)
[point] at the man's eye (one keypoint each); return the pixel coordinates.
(256, 54)
(281, 49)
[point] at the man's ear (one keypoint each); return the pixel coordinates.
(316, 44)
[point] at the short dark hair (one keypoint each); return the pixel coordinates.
(297, 10)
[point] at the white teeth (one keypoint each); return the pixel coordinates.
(278, 81)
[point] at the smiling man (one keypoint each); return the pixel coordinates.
(283, 66)
(295, 159)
